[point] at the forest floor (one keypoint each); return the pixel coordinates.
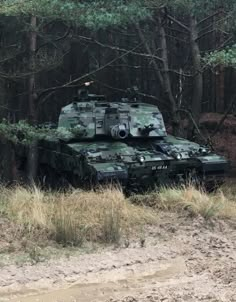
(185, 250)
(179, 259)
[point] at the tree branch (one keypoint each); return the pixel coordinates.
(123, 90)
(178, 22)
(148, 49)
(216, 23)
(12, 57)
(151, 56)
(72, 83)
(209, 17)
(55, 40)
(205, 33)
(189, 114)
(27, 74)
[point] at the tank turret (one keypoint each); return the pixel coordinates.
(117, 120)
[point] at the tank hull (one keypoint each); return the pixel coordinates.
(136, 165)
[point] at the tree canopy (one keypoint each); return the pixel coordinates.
(226, 57)
(201, 8)
(91, 13)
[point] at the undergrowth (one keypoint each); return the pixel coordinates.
(221, 204)
(104, 216)
(73, 217)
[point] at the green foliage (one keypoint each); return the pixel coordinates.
(201, 8)
(90, 13)
(226, 57)
(23, 133)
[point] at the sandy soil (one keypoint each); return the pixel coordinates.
(181, 259)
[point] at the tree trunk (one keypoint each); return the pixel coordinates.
(198, 77)
(220, 70)
(220, 89)
(33, 148)
(158, 74)
(31, 84)
(166, 79)
(163, 74)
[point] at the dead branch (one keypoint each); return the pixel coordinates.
(12, 57)
(67, 33)
(205, 34)
(190, 116)
(150, 56)
(178, 22)
(73, 83)
(27, 74)
(216, 23)
(123, 90)
(220, 11)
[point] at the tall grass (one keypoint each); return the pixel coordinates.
(104, 216)
(75, 216)
(221, 204)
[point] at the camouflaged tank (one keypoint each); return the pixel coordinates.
(127, 142)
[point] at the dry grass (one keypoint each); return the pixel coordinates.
(103, 216)
(221, 204)
(76, 216)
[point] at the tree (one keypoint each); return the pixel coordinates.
(187, 23)
(67, 14)
(213, 19)
(92, 14)
(41, 52)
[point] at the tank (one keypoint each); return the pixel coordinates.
(125, 142)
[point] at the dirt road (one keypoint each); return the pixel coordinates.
(181, 259)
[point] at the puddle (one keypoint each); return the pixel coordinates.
(100, 287)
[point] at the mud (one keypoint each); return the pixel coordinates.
(181, 259)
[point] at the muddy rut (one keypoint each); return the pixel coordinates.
(180, 260)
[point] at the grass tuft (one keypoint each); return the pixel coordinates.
(105, 216)
(194, 201)
(76, 216)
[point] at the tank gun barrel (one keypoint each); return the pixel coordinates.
(119, 131)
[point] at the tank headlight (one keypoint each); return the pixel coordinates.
(141, 159)
(178, 156)
(203, 150)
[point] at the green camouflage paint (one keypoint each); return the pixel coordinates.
(126, 142)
